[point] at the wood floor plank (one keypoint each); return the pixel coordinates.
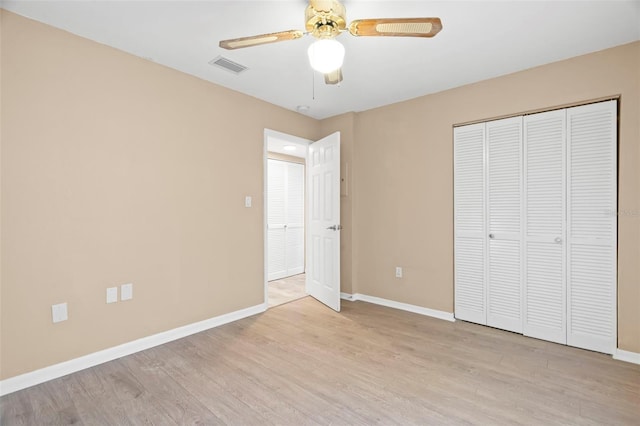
(303, 378)
(301, 363)
(202, 385)
(239, 381)
(172, 399)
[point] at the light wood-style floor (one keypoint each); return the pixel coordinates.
(286, 290)
(303, 364)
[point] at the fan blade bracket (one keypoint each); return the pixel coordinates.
(396, 27)
(257, 40)
(325, 18)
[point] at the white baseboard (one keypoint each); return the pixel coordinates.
(632, 357)
(347, 296)
(42, 375)
(447, 316)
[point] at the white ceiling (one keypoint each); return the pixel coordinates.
(479, 40)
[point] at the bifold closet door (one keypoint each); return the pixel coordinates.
(535, 207)
(295, 218)
(504, 213)
(285, 219)
(276, 219)
(544, 248)
(469, 223)
(592, 239)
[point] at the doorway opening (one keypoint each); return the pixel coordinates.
(285, 159)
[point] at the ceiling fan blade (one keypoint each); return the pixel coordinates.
(333, 77)
(396, 27)
(237, 43)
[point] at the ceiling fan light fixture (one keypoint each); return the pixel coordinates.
(326, 20)
(326, 55)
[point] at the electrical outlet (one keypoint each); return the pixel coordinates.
(126, 291)
(398, 272)
(59, 312)
(112, 294)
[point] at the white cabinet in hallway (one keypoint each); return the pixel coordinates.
(285, 218)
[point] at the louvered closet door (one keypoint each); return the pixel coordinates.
(544, 248)
(276, 219)
(592, 196)
(295, 219)
(469, 223)
(504, 211)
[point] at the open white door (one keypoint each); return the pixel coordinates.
(323, 225)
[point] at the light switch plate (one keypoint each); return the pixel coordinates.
(112, 294)
(247, 201)
(126, 291)
(59, 312)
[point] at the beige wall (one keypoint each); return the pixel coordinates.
(345, 125)
(403, 210)
(116, 170)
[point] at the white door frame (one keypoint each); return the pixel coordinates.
(295, 140)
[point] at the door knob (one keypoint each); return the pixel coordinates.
(335, 227)
(558, 240)
(491, 236)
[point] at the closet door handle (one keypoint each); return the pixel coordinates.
(491, 236)
(558, 240)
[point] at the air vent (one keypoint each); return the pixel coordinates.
(227, 64)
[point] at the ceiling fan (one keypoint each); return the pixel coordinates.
(326, 20)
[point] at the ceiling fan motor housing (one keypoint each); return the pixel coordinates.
(325, 18)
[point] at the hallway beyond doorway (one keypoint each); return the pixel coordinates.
(286, 290)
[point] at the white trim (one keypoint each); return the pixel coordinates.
(632, 357)
(42, 375)
(265, 252)
(347, 296)
(447, 316)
